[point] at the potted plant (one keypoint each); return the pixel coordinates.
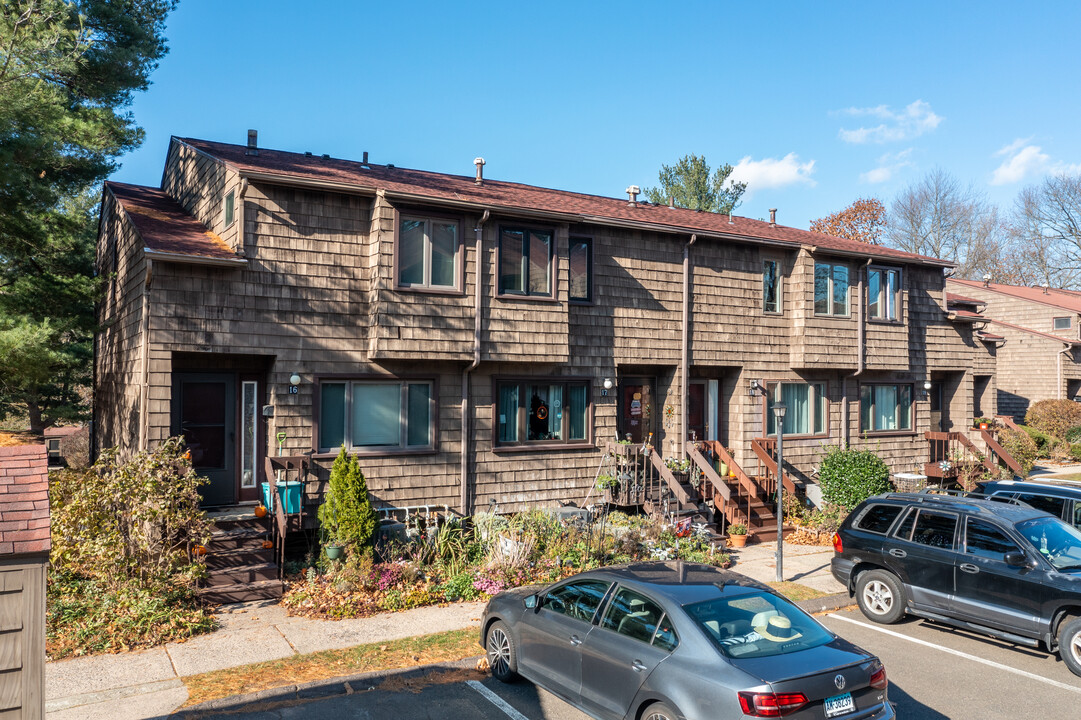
(737, 534)
(335, 549)
(982, 423)
(606, 482)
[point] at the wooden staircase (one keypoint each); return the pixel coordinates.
(239, 567)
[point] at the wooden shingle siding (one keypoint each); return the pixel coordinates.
(119, 346)
(199, 184)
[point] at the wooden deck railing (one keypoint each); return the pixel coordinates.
(731, 495)
(765, 450)
(291, 467)
(997, 451)
(951, 447)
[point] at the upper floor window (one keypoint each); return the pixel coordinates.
(428, 253)
(525, 262)
(581, 269)
(806, 407)
(771, 287)
(542, 411)
(831, 289)
(885, 408)
(1062, 323)
(883, 293)
(230, 201)
(376, 414)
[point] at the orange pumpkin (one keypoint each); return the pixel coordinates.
(260, 511)
(198, 550)
(267, 545)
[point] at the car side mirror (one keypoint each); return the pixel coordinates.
(532, 602)
(1016, 558)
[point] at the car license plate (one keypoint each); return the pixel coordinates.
(839, 705)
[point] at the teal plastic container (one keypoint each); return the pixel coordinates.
(289, 493)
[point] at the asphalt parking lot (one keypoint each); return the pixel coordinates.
(935, 673)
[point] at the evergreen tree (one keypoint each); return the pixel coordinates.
(690, 185)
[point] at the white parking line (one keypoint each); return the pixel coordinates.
(496, 700)
(993, 664)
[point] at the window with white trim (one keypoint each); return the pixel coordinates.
(883, 293)
(428, 253)
(542, 411)
(1062, 323)
(831, 289)
(806, 407)
(885, 408)
(227, 212)
(375, 414)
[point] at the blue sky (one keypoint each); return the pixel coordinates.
(816, 104)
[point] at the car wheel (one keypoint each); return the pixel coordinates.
(502, 655)
(880, 596)
(659, 711)
(1069, 645)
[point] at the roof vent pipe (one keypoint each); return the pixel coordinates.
(671, 201)
(365, 160)
(730, 220)
(1045, 286)
(987, 279)
(772, 217)
(253, 143)
(632, 195)
(479, 162)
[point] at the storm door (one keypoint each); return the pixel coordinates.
(204, 412)
(636, 409)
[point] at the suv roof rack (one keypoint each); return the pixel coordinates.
(971, 500)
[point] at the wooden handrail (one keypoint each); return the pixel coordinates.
(702, 464)
(1007, 420)
(766, 457)
(749, 485)
(669, 478)
(1001, 453)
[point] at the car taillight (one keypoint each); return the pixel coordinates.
(837, 544)
(878, 676)
(771, 704)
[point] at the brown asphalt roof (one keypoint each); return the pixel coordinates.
(1065, 299)
(962, 300)
(496, 194)
(24, 500)
(165, 227)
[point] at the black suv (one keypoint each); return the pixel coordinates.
(1061, 498)
(1007, 570)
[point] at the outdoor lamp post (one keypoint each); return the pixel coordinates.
(779, 409)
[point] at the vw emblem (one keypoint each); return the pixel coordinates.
(839, 681)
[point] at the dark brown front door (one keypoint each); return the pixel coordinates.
(636, 408)
(697, 424)
(204, 412)
(940, 420)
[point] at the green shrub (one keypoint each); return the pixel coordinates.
(848, 477)
(347, 515)
(1054, 417)
(1073, 435)
(1022, 446)
(1044, 442)
(1075, 452)
(134, 519)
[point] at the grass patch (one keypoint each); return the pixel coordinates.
(796, 592)
(390, 655)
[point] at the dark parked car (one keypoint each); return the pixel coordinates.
(1007, 570)
(1061, 498)
(661, 641)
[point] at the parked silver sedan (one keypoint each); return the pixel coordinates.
(665, 641)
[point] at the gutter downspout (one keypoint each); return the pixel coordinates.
(861, 362)
(478, 262)
(1061, 379)
(686, 349)
(144, 420)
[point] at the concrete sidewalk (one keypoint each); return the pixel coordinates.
(148, 684)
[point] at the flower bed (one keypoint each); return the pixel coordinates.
(477, 559)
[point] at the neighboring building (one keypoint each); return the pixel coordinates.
(24, 559)
(1040, 357)
(249, 266)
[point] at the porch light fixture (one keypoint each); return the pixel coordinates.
(779, 410)
(608, 384)
(756, 389)
(927, 389)
(294, 379)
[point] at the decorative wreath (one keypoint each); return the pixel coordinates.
(542, 412)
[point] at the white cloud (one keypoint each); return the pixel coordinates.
(772, 173)
(888, 165)
(1025, 160)
(916, 119)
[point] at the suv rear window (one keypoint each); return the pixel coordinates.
(878, 518)
(1046, 503)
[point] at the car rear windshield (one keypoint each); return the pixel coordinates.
(757, 625)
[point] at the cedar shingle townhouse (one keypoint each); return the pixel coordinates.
(476, 341)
